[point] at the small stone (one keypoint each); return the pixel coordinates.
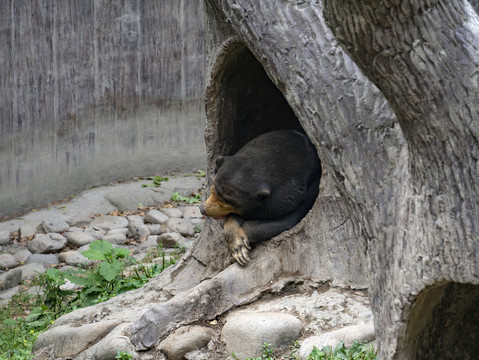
(22, 255)
(55, 226)
(27, 230)
(192, 212)
(79, 238)
(9, 293)
(10, 279)
(155, 217)
(29, 271)
(108, 222)
(117, 238)
(74, 228)
(363, 333)
(7, 261)
(44, 259)
(96, 232)
(138, 230)
(169, 240)
(183, 226)
(156, 229)
(136, 219)
(184, 340)
(4, 237)
(151, 242)
(43, 243)
(172, 212)
(245, 333)
(123, 231)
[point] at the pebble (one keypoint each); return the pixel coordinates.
(182, 226)
(4, 237)
(74, 258)
(172, 212)
(7, 261)
(43, 259)
(10, 279)
(43, 243)
(79, 238)
(54, 226)
(155, 217)
(27, 230)
(108, 222)
(117, 238)
(169, 240)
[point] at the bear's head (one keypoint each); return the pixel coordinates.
(235, 189)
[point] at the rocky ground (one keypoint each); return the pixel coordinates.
(138, 215)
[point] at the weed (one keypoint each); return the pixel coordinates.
(156, 181)
(123, 355)
(196, 198)
(357, 351)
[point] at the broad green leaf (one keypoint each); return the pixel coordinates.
(110, 271)
(94, 254)
(121, 252)
(102, 246)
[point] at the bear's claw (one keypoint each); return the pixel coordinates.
(237, 240)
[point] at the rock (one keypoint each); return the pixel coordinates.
(117, 238)
(43, 243)
(109, 222)
(9, 293)
(244, 334)
(73, 339)
(363, 333)
(172, 212)
(44, 259)
(123, 231)
(7, 261)
(96, 232)
(55, 226)
(22, 255)
(155, 217)
(29, 271)
(4, 237)
(138, 230)
(74, 258)
(184, 340)
(156, 229)
(79, 238)
(10, 279)
(136, 219)
(29, 229)
(151, 242)
(192, 212)
(183, 226)
(169, 240)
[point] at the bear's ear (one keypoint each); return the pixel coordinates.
(218, 162)
(263, 193)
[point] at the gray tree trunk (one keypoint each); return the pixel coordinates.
(399, 192)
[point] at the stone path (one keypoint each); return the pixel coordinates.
(138, 216)
(133, 214)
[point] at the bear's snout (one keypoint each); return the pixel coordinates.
(202, 209)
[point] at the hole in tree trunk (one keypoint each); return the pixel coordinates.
(242, 101)
(445, 323)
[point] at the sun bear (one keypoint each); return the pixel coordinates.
(267, 187)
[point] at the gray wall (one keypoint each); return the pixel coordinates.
(95, 91)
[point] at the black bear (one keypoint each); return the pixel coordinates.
(267, 187)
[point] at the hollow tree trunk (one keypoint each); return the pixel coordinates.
(405, 178)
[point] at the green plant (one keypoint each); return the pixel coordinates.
(357, 351)
(200, 174)
(196, 198)
(156, 181)
(123, 355)
(269, 354)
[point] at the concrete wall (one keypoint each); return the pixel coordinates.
(95, 91)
